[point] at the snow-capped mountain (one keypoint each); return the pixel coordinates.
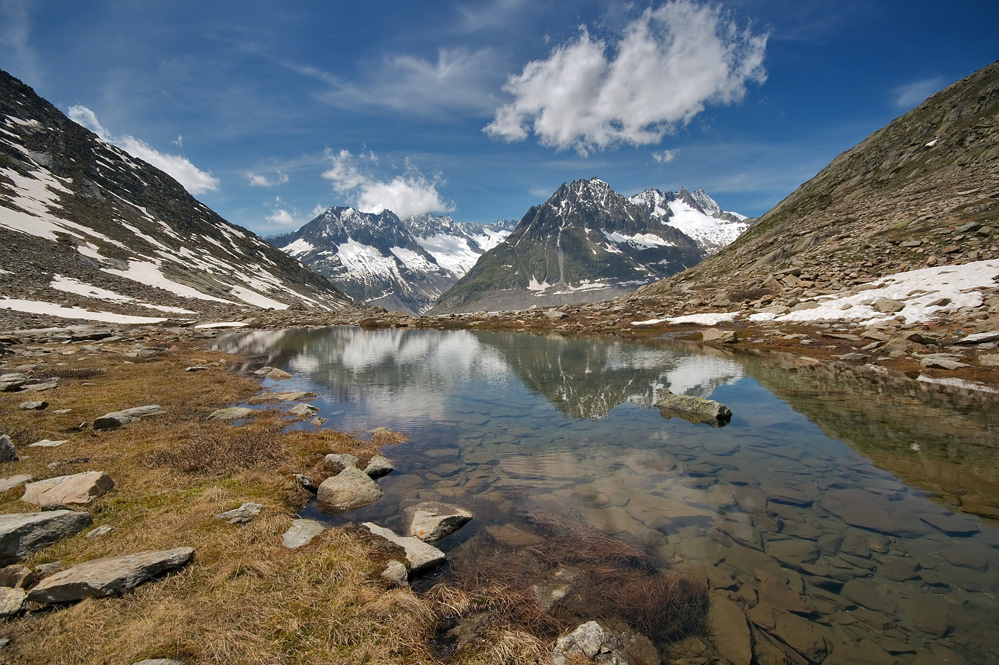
(584, 244)
(89, 232)
(696, 214)
(382, 260)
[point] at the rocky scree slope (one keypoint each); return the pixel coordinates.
(921, 192)
(584, 244)
(82, 223)
(386, 261)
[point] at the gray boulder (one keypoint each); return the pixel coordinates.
(694, 409)
(339, 461)
(23, 534)
(109, 576)
(432, 521)
(116, 419)
(231, 413)
(79, 488)
(396, 573)
(34, 405)
(303, 410)
(420, 555)
(11, 600)
(348, 490)
(7, 451)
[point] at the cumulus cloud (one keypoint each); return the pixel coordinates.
(262, 180)
(666, 156)
(281, 217)
(193, 179)
(913, 94)
(661, 72)
(412, 193)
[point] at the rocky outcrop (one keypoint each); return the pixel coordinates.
(23, 534)
(80, 488)
(349, 489)
(597, 645)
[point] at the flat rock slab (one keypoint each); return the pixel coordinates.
(960, 526)
(348, 490)
(432, 521)
(109, 576)
(420, 555)
(13, 481)
(79, 488)
(116, 419)
(23, 534)
(11, 382)
(46, 443)
(301, 533)
(730, 630)
(241, 515)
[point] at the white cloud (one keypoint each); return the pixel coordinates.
(406, 195)
(317, 210)
(179, 141)
(667, 65)
(912, 95)
(666, 156)
(281, 217)
(193, 179)
(459, 79)
(260, 180)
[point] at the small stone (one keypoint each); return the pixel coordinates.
(941, 361)
(303, 410)
(396, 573)
(10, 483)
(306, 483)
(231, 413)
(11, 601)
(339, 461)
(301, 533)
(33, 406)
(694, 409)
(241, 515)
(102, 530)
(159, 661)
(278, 375)
(16, 576)
(379, 466)
(11, 382)
(432, 521)
(317, 421)
(887, 306)
(7, 451)
(45, 443)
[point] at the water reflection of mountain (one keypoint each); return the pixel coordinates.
(587, 378)
(581, 378)
(937, 438)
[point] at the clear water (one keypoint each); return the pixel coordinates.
(862, 507)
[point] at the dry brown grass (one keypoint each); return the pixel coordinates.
(246, 598)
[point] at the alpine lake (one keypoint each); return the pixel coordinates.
(843, 515)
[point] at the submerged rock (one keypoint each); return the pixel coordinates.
(696, 410)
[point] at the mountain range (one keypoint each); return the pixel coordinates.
(402, 265)
(84, 224)
(588, 243)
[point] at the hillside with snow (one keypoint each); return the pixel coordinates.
(696, 214)
(88, 232)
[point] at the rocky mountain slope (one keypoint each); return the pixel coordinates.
(382, 260)
(85, 225)
(917, 195)
(584, 244)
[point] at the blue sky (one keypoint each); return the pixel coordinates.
(270, 111)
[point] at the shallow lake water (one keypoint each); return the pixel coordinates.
(841, 512)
